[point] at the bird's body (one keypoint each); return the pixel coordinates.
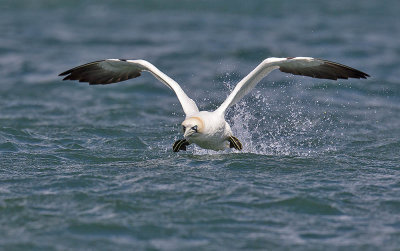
(209, 130)
(214, 131)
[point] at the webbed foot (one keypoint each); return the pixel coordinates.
(180, 145)
(235, 143)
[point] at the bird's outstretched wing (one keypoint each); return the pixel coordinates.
(306, 66)
(110, 71)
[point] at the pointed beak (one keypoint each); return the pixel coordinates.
(188, 132)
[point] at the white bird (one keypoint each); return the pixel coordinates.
(209, 130)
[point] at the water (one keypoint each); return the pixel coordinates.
(91, 167)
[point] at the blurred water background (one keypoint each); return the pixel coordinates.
(91, 167)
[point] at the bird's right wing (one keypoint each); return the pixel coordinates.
(305, 66)
(110, 71)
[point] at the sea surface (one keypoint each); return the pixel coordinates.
(91, 167)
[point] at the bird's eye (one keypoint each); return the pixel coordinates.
(183, 128)
(194, 128)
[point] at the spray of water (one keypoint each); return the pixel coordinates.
(276, 122)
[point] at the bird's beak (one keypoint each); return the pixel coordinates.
(188, 132)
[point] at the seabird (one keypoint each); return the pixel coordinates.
(206, 129)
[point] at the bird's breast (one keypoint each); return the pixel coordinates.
(214, 138)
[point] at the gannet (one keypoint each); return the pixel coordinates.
(209, 130)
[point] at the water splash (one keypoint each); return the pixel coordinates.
(278, 122)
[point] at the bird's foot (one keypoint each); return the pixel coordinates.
(180, 145)
(235, 143)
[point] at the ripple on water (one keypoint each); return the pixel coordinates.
(8, 147)
(307, 206)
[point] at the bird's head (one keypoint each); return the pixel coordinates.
(192, 127)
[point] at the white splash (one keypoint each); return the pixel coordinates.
(268, 124)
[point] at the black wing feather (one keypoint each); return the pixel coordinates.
(327, 70)
(94, 74)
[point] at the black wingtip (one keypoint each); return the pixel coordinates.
(362, 74)
(64, 73)
(351, 72)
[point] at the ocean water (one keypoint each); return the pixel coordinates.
(91, 167)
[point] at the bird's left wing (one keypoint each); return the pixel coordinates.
(306, 66)
(110, 71)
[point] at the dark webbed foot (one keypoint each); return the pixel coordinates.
(180, 145)
(235, 143)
